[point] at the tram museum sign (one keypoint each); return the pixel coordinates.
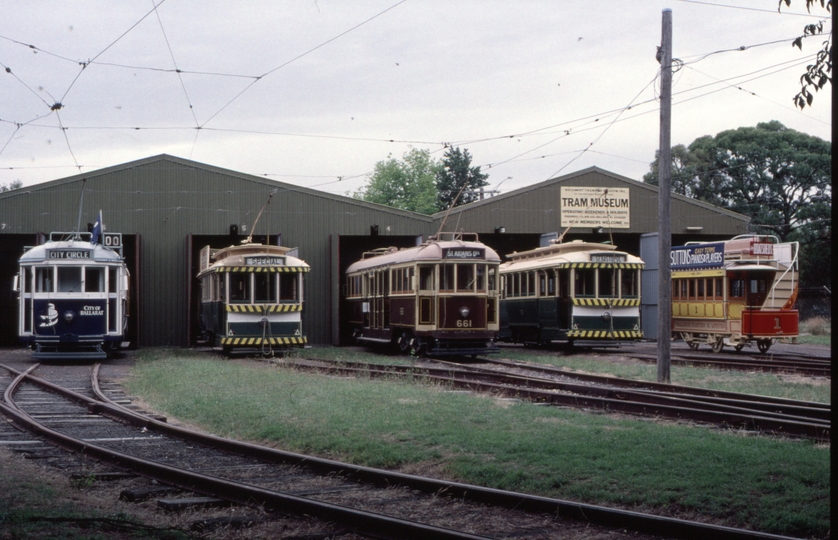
(595, 207)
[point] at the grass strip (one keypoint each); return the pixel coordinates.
(769, 484)
(783, 385)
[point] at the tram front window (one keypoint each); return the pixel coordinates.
(69, 279)
(94, 279)
(465, 277)
(628, 283)
(264, 288)
(239, 288)
(43, 279)
(607, 282)
(585, 282)
(446, 277)
(288, 291)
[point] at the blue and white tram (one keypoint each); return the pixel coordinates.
(252, 298)
(73, 298)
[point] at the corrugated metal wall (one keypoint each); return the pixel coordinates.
(165, 199)
(536, 209)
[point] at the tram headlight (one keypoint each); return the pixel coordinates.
(68, 316)
(606, 316)
(464, 311)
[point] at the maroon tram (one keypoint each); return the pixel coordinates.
(438, 298)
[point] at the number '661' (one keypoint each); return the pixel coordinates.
(464, 324)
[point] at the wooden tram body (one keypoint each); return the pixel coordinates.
(438, 298)
(735, 292)
(73, 298)
(572, 292)
(252, 298)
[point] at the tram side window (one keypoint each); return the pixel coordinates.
(737, 288)
(289, 288)
(239, 288)
(551, 283)
(628, 283)
(206, 288)
(426, 278)
(718, 289)
(530, 290)
(264, 288)
(585, 282)
(69, 278)
(607, 282)
(220, 291)
(25, 277)
(542, 283)
(398, 275)
(353, 286)
(113, 279)
(701, 289)
(94, 279)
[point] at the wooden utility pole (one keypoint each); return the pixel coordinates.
(664, 204)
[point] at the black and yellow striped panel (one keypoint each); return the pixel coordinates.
(287, 269)
(601, 265)
(620, 302)
(263, 308)
(258, 341)
(604, 334)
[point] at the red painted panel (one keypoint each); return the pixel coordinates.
(449, 312)
(770, 322)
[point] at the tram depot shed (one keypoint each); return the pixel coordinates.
(167, 208)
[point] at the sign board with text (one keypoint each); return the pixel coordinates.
(595, 207)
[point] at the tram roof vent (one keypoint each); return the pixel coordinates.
(378, 251)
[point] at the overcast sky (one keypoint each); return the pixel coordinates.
(315, 92)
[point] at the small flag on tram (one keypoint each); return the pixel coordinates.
(97, 229)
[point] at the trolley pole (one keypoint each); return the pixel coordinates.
(664, 204)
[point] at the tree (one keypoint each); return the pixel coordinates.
(817, 74)
(408, 184)
(458, 177)
(17, 184)
(779, 177)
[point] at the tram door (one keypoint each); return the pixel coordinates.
(378, 304)
(426, 293)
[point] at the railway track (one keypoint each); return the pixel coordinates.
(787, 362)
(769, 362)
(78, 416)
(546, 384)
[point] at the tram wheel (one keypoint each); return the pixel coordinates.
(688, 339)
(404, 342)
(764, 344)
(718, 345)
(417, 348)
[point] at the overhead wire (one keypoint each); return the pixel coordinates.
(292, 60)
(543, 130)
(114, 42)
